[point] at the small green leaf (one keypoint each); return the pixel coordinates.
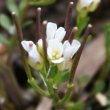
(82, 21)
(5, 22)
(61, 77)
(54, 71)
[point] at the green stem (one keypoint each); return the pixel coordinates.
(37, 88)
(52, 91)
(67, 94)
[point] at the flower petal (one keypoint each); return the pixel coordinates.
(75, 46)
(85, 3)
(60, 33)
(51, 29)
(66, 44)
(40, 43)
(54, 44)
(27, 45)
(57, 61)
(67, 53)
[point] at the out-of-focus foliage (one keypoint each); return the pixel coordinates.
(41, 2)
(107, 39)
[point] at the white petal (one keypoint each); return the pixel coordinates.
(67, 50)
(52, 45)
(86, 3)
(40, 43)
(34, 55)
(50, 30)
(57, 61)
(75, 46)
(27, 45)
(66, 44)
(60, 33)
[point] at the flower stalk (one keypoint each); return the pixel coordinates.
(38, 23)
(23, 54)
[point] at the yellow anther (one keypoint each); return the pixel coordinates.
(56, 54)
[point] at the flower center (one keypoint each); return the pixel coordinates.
(56, 54)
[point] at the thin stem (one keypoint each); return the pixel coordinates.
(72, 34)
(51, 90)
(38, 23)
(32, 81)
(20, 38)
(68, 16)
(74, 66)
(45, 45)
(68, 20)
(78, 55)
(48, 73)
(67, 94)
(26, 66)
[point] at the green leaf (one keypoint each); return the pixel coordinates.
(61, 77)
(54, 71)
(41, 2)
(82, 21)
(4, 40)
(12, 6)
(5, 22)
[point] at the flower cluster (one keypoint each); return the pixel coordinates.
(58, 50)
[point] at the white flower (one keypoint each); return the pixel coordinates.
(70, 49)
(53, 33)
(55, 51)
(85, 3)
(68, 53)
(32, 51)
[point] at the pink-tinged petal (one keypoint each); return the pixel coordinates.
(27, 45)
(50, 30)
